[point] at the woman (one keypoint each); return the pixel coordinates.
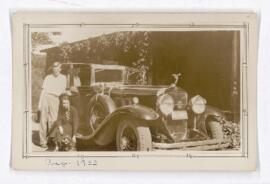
(66, 126)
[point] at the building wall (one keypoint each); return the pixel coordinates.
(205, 60)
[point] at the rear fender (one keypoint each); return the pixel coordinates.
(106, 133)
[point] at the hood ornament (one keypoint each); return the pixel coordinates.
(176, 78)
(173, 85)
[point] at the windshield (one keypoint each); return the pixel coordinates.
(108, 75)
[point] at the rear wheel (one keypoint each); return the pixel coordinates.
(215, 130)
(133, 137)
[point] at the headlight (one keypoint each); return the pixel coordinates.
(197, 104)
(166, 104)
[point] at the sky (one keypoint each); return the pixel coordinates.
(71, 34)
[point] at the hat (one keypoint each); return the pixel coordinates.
(56, 64)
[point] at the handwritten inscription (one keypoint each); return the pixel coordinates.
(80, 162)
(57, 163)
(85, 162)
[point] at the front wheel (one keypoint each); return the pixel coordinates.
(133, 137)
(215, 130)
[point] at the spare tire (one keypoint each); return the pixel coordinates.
(99, 107)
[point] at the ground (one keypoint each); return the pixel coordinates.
(90, 145)
(231, 131)
(35, 137)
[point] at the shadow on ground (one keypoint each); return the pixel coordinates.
(35, 137)
(81, 145)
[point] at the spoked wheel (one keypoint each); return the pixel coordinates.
(99, 107)
(96, 116)
(133, 137)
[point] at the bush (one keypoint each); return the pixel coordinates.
(38, 74)
(232, 132)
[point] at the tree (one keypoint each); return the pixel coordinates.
(40, 38)
(38, 64)
(130, 48)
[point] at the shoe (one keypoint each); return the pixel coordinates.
(44, 146)
(55, 149)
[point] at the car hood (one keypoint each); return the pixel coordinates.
(139, 90)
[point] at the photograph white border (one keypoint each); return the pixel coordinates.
(23, 158)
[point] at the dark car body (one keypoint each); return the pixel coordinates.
(109, 96)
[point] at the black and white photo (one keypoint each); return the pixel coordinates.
(145, 89)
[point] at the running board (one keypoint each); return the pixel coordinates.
(211, 144)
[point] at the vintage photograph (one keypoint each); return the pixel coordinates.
(135, 90)
(138, 87)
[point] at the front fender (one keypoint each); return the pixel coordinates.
(210, 113)
(213, 111)
(137, 111)
(105, 134)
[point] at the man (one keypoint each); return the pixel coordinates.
(53, 86)
(64, 130)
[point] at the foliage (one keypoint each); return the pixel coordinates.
(38, 64)
(66, 50)
(232, 132)
(143, 62)
(129, 48)
(40, 38)
(38, 74)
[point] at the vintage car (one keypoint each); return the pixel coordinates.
(115, 110)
